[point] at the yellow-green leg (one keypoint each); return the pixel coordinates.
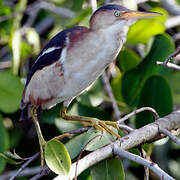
(42, 142)
(89, 121)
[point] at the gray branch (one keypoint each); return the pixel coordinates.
(135, 138)
(154, 167)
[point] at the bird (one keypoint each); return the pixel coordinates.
(72, 60)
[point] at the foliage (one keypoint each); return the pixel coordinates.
(135, 79)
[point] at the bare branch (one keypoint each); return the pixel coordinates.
(166, 63)
(138, 111)
(25, 165)
(154, 167)
(171, 6)
(169, 65)
(42, 173)
(111, 96)
(133, 139)
(170, 135)
(26, 172)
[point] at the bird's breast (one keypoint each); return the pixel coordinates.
(86, 60)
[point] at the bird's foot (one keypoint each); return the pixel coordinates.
(103, 125)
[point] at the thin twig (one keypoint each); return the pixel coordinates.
(111, 96)
(143, 155)
(29, 171)
(78, 131)
(166, 63)
(125, 127)
(169, 65)
(138, 111)
(170, 135)
(44, 172)
(154, 167)
(25, 165)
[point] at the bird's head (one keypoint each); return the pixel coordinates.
(112, 14)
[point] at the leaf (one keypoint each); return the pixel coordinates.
(156, 94)
(109, 169)
(57, 157)
(11, 90)
(127, 59)
(94, 139)
(173, 81)
(144, 29)
(4, 143)
(75, 145)
(11, 158)
(133, 80)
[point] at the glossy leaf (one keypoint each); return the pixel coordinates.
(108, 170)
(11, 158)
(157, 94)
(11, 90)
(173, 81)
(57, 157)
(95, 139)
(127, 59)
(144, 29)
(133, 80)
(75, 145)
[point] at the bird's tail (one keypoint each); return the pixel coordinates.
(26, 112)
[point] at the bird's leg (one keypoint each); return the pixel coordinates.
(42, 142)
(89, 121)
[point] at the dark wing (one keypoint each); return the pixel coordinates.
(51, 57)
(58, 42)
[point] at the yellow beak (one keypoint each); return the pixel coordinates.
(138, 15)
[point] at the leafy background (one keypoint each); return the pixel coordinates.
(25, 27)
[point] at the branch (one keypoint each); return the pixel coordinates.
(170, 135)
(171, 6)
(156, 116)
(154, 167)
(135, 138)
(111, 96)
(25, 165)
(169, 65)
(166, 63)
(26, 172)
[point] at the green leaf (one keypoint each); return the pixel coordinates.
(144, 29)
(57, 157)
(11, 158)
(75, 145)
(157, 94)
(116, 85)
(4, 143)
(109, 169)
(94, 139)
(89, 111)
(133, 80)
(127, 59)
(11, 90)
(173, 81)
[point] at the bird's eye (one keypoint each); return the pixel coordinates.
(117, 13)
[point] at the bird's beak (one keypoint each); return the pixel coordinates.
(138, 15)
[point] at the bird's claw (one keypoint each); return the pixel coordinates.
(103, 125)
